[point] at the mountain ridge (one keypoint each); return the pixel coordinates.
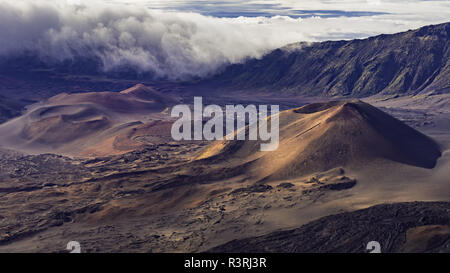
(404, 63)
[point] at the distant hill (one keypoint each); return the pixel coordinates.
(408, 62)
(89, 123)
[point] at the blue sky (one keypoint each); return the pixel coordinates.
(302, 8)
(234, 9)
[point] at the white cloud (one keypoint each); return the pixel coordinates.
(179, 44)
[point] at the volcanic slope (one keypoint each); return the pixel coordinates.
(322, 136)
(421, 227)
(73, 123)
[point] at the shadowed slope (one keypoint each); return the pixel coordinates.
(9, 108)
(403, 227)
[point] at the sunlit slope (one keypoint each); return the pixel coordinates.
(322, 136)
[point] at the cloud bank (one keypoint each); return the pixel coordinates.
(169, 44)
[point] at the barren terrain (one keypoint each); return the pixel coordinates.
(167, 196)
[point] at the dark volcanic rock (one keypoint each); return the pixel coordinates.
(401, 227)
(254, 188)
(285, 185)
(343, 184)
